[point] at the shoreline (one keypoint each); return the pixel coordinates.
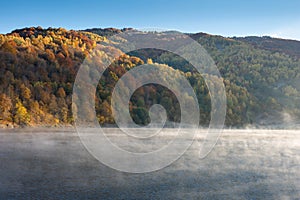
(71, 127)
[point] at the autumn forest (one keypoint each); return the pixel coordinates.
(38, 68)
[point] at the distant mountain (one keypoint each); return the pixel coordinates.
(38, 68)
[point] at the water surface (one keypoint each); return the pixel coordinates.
(245, 164)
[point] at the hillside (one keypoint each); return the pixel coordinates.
(38, 68)
(288, 47)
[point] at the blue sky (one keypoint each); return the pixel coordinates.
(277, 18)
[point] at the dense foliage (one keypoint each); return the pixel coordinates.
(38, 68)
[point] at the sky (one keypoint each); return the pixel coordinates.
(277, 18)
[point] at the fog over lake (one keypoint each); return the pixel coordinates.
(48, 163)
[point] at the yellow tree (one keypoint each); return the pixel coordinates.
(21, 116)
(149, 61)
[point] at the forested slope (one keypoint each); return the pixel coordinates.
(38, 68)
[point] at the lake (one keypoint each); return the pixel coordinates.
(52, 163)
